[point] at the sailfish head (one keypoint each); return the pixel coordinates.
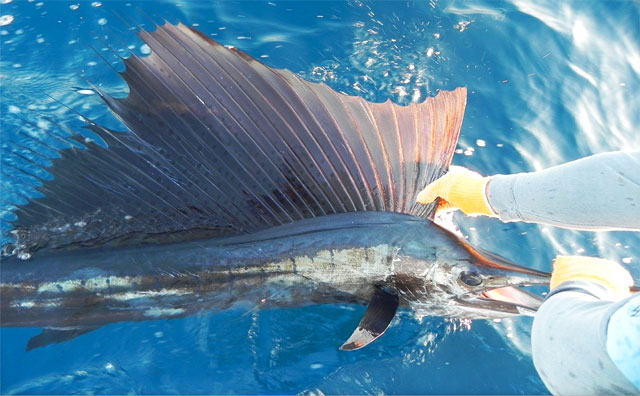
(460, 280)
(490, 286)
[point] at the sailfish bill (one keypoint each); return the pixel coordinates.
(240, 184)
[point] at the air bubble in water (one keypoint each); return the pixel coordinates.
(24, 256)
(462, 25)
(6, 20)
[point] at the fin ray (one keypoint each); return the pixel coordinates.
(255, 90)
(189, 81)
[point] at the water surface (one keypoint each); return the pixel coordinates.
(548, 82)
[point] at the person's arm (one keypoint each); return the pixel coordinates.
(586, 335)
(600, 192)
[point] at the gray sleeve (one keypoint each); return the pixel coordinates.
(568, 342)
(600, 192)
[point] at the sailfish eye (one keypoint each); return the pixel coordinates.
(471, 278)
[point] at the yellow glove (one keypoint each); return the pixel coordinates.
(461, 189)
(607, 273)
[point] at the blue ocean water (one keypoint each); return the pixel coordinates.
(548, 82)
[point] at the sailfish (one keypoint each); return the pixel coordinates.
(238, 184)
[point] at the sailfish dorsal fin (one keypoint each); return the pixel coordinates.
(220, 143)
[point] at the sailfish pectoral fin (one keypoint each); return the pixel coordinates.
(51, 336)
(376, 319)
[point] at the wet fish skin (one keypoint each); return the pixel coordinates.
(332, 259)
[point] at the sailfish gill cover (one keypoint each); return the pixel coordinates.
(222, 144)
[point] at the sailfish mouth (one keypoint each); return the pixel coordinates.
(501, 302)
(504, 293)
(522, 301)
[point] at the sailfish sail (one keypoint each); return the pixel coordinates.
(222, 144)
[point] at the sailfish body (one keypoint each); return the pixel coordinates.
(242, 184)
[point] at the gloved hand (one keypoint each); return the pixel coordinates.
(460, 188)
(607, 273)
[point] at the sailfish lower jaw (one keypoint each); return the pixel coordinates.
(520, 300)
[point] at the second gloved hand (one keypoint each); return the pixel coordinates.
(609, 274)
(462, 189)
